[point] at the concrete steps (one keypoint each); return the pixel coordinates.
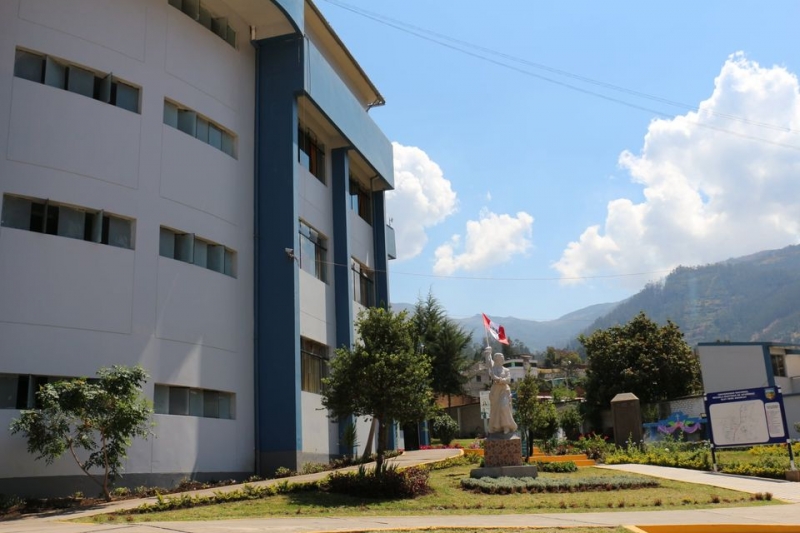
(539, 456)
(578, 459)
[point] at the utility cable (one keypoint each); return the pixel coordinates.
(437, 38)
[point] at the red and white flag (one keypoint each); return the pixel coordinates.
(496, 330)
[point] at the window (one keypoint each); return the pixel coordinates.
(313, 365)
(778, 364)
(361, 201)
(188, 248)
(18, 391)
(198, 12)
(44, 216)
(185, 401)
(312, 252)
(363, 285)
(79, 80)
(310, 153)
(190, 123)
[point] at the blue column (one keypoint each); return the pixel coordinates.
(379, 243)
(279, 77)
(342, 278)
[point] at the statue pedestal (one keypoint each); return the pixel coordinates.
(502, 457)
(502, 452)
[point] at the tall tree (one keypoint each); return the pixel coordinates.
(514, 348)
(100, 417)
(445, 342)
(527, 403)
(383, 376)
(651, 361)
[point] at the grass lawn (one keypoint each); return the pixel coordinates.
(449, 498)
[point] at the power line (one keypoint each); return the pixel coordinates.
(493, 278)
(438, 38)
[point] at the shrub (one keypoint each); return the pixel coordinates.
(282, 471)
(445, 428)
(570, 420)
(559, 467)
(313, 468)
(508, 485)
(594, 446)
(386, 482)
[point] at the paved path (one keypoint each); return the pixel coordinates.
(779, 488)
(762, 515)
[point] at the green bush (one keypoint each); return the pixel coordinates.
(594, 446)
(313, 468)
(558, 467)
(282, 471)
(570, 420)
(388, 482)
(509, 485)
(445, 428)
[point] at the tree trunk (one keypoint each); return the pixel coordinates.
(383, 437)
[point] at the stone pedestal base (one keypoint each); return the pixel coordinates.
(793, 475)
(502, 452)
(505, 471)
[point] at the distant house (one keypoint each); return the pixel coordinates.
(746, 365)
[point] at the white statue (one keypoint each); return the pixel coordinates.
(501, 418)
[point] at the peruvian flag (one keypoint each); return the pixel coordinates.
(496, 330)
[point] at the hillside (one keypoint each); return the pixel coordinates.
(537, 335)
(745, 299)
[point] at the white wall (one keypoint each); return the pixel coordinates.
(731, 367)
(71, 306)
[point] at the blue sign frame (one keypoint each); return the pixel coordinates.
(746, 417)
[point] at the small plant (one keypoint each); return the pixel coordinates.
(9, 502)
(313, 468)
(282, 471)
(715, 498)
(121, 492)
(557, 467)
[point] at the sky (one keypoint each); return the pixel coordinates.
(549, 156)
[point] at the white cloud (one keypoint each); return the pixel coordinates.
(422, 198)
(491, 240)
(709, 194)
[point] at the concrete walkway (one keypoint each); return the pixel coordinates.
(747, 516)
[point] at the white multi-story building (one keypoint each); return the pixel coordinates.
(194, 186)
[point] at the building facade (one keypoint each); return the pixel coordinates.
(195, 186)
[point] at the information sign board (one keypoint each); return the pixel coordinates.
(746, 417)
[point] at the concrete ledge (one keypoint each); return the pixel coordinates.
(505, 471)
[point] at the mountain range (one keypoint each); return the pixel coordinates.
(744, 299)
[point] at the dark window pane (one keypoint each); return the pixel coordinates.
(37, 217)
(29, 66)
(80, 81)
(16, 212)
(126, 97)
